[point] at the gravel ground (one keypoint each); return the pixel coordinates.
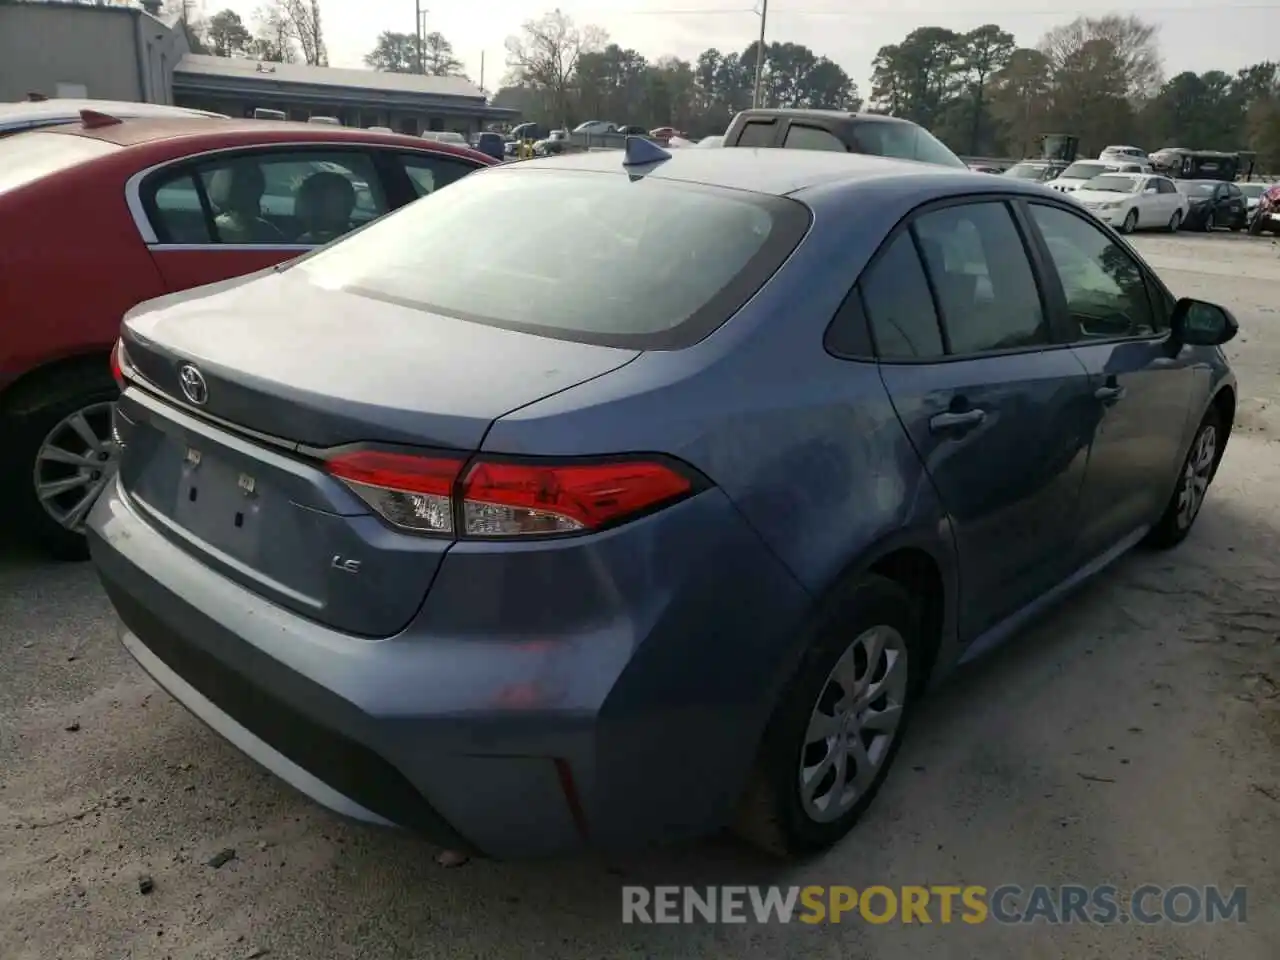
(1134, 737)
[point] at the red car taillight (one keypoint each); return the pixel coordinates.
(507, 498)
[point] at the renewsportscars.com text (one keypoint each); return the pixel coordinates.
(1007, 904)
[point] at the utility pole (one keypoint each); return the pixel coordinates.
(482, 70)
(417, 26)
(755, 91)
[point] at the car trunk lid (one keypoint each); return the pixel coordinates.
(233, 473)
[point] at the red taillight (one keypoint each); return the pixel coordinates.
(412, 492)
(507, 498)
(117, 364)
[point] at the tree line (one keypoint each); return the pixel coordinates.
(1099, 78)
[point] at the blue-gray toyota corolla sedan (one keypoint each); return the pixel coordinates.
(660, 514)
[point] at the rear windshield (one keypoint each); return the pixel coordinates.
(596, 257)
(1085, 171)
(28, 157)
(1114, 183)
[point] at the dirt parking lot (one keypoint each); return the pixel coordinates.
(1132, 738)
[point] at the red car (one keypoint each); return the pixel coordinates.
(100, 215)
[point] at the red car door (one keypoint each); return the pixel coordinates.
(236, 213)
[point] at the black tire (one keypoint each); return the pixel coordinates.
(1255, 227)
(771, 814)
(1173, 526)
(26, 427)
(1130, 222)
(1175, 221)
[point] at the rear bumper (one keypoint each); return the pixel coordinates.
(623, 709)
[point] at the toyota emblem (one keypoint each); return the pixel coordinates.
(193, 385)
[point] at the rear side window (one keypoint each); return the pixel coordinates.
(895, 296)
(428, 173)
(801, 137)
(904, 141)
(669, 264)
(979, 268)
(758, 133)
(28, 157)
(303, 198)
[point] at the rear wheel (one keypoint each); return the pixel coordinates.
(63, 457)
(838, 725)
(1193, 485)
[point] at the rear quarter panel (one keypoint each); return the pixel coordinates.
(71, 264)
(807, 446)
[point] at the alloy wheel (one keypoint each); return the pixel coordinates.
(1196, 474)
(854, 724)
(1175, 221)
(74, 463)
(1130, 222)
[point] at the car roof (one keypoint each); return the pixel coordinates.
(765, 170)
(199, 134)
(32, 112)
(816, 113)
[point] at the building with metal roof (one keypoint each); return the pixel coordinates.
(119, 51)
(405, 102)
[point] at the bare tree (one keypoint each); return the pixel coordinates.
(1135, 42)
(546, 53)
(303, 18)
(273, 33)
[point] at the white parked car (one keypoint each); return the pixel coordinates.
(446, 136)
(1082, 171)
(31, 114)
(1253, 193)
(595, 127)
(1131, 202)
(1124, 153)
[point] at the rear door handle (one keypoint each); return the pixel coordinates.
(951, 421)
(1110, 394)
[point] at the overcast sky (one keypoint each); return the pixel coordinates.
(1195, 34)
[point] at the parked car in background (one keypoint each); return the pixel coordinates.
(840, 132)
(596, 127)
(446, 136)
(1122, 154)
(1213, 204)
(116, 212)
(984, 168)
(530, 131)
(33, 114)
(1253, 193)
(1036, 171)
(324, 120)
(1134, 201)
(1082, 171)
(782, 469)
(379, 129)
(490, 144)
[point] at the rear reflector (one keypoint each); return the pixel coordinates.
(117, 363)
(508, 498)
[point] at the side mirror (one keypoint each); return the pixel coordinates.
(1201, 324)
